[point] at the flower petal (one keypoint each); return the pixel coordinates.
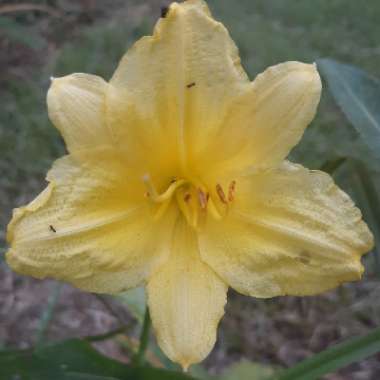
(186, 300)
(76, 105)
(290, 231)
(266, 122)
(88, 228)
(171, 89)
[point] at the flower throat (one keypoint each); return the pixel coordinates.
(193, 199)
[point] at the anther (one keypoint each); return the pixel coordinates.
(231, 191)
(187, 197)
(221, 194)
(202, 199)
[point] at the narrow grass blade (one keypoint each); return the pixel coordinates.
(334, 358)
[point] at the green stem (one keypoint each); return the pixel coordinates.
(144, 339)
(107, 335)
(47, 315)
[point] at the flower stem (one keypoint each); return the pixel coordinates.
(105, 336)
(47, 315)
(144, 339)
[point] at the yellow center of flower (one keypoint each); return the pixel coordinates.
(193, 199)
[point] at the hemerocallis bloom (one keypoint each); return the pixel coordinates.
(177, 179)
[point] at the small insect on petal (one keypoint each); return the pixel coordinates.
(52, 228)
(304, 257)
(192, 84)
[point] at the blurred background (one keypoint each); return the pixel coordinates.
(39, 39)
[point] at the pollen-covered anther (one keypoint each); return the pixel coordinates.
(187, 197)
(203, 199)
(221, 194)
(231, 191)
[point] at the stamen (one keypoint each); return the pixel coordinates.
(194, 219)
(170, 191)
(231, 191)
(152, 192)
(161, 210)
(221, 194)
(183, 206)
(192, 198)
(213, 210)
(202, 199)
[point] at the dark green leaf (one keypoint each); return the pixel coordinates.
(334, 358)
(84, 376)
(358, 95)
(333, 165)
(74, 360)
(369, 202)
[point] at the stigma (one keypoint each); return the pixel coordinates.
(194, 200)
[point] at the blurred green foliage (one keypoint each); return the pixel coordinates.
(74, 360)
(357, 95)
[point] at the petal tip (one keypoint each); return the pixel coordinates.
(185, 366)
(309, 75)
(55, 83)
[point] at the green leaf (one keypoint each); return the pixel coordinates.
(334, 358)
(331, 166)
(358, 95)
(246, 370)
(367, 197)
(84, 376)
(74, 360)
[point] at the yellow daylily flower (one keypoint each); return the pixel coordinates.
(177, 179)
